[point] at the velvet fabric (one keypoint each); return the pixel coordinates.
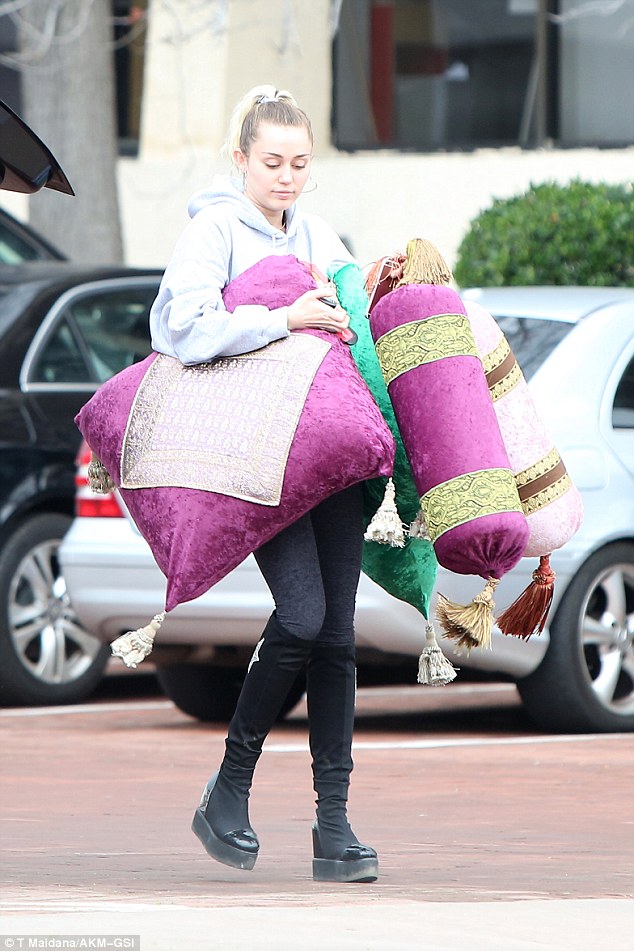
(527, 441)
(449, 429)
(407, 573)
(196, 536)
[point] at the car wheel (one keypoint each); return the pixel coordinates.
(46, 656)
(210, 693)
(586, 681)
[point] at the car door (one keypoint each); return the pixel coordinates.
(92, 332)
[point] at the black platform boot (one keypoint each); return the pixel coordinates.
(221, 821)
(330, 684)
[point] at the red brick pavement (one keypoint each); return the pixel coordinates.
(98, 805)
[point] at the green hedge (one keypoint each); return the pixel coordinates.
(553, 234)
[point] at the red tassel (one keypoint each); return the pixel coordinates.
(528, 613)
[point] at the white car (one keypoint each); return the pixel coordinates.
(576, 347)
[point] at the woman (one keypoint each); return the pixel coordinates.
(311, 571)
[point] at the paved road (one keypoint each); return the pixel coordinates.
(490, 835)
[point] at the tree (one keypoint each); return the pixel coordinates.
(69, 101)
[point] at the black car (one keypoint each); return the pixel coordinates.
(64, 330)
(19, 243)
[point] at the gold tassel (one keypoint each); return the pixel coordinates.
(425, 264)
(529, 612)
(135, 646)
(386, 527)
(433, 667)
(471, 624)
(99, 479)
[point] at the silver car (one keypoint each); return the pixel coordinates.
(576, 347)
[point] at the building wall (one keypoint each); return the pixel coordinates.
(200, 58)
(198, 66)
(377, 200)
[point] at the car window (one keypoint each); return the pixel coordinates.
(96, 335)
(532, 340)
(623, 408)
(60, 360)
(14, 248)
(114, 328)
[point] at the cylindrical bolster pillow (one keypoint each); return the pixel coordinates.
(551, 502)
(449, 428)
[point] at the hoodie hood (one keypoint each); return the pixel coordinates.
(228, 192)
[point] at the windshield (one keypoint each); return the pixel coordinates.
(532, 340)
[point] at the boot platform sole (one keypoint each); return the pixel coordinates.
(219, 850)
(336, 870)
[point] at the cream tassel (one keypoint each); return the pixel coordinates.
(469, 624)
(99, 479)
(418, 528)
(135, 646)
(433, 667)
(386, 527)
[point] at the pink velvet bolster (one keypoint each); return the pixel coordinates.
(555, 513)
(449, 428)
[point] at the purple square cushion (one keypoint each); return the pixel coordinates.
(197, 536)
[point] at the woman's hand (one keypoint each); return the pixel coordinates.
(309, 311)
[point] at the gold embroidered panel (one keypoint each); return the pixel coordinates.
(225, 426)
(501, 369)
(543, 498)
(543, 482)
(551, 460)
(469, 496)
(496, 357)
(424, 341)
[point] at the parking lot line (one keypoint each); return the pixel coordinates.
(441, 743)
(81, 708)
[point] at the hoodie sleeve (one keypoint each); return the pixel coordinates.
(188, 319)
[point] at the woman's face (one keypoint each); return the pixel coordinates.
(276, 169)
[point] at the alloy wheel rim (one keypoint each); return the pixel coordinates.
(607, 638)
(46, 634)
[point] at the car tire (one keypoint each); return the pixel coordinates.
(585, 682)
(210, 693)
(46, 656)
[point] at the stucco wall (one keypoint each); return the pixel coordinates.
(376, 200)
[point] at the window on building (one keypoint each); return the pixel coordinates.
(434, 74)
(457, 74)
(129, 30)
(595, 73)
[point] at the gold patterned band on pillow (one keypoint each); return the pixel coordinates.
(225, 426)
(418, 342)
(469, 496)
(543, 482)
(501, 369)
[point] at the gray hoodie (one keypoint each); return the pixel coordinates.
(226, 235)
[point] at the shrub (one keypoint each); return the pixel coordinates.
(578, 233)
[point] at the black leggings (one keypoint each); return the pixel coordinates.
(312, 569)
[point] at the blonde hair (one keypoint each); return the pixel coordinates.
(263, 103)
